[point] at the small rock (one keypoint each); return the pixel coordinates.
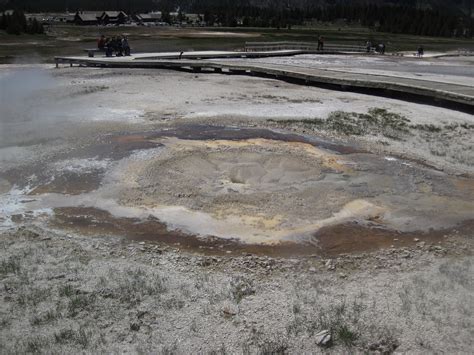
(329, 265)
(28, 233)
(312, 269)
(17, 218)
(436, 248)
(416, 240)
(142, 243)
(135, 327)
(384, 346)
(323, 338)
(141, 314)
(230, 310)
(421, 244)
(406, 255)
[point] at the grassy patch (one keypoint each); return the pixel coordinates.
(4, 322)
(345, 321)
(80, 303)
(458, 274)
(375, 121)
(431, 128)
(467, 126)
(81, 337)
(45, 318)
(272, 347)
(33, 296)
(345, 335)
(90, 90)
(240, 288)
(429, 297)
(36, 345)
(340, 320)
(265, 344)
(427, 127)
(9, 266)
(173, 303)
(133, 285)
(67, 291)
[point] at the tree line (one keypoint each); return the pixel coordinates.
(401, 19)
(410, 17)
(16, 23)
(384, 18)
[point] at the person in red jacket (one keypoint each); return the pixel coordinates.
(101, 43)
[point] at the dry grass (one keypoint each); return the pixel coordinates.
(375, 121)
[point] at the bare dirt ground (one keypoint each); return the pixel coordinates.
(153, 211)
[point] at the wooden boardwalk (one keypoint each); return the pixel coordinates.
(451, 95)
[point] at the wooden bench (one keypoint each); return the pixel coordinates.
(91, 51)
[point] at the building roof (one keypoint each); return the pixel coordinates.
(194, 16)
(113, 13)
(87, 17)
(95, 13)
(150, 16)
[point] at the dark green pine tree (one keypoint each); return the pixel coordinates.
(3, 22)
(16, 23)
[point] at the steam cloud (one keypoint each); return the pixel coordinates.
(26, 106)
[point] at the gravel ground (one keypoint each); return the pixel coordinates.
(67, 293)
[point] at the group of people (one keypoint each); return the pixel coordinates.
(379, 48)
(117, 44)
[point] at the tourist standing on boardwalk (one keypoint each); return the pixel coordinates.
(119, 45)
(381, 48)
(421, 51)
(109, 47)
(320, 43)
(101, 43)
(125, 46)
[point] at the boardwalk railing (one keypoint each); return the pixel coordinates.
(303, 46)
